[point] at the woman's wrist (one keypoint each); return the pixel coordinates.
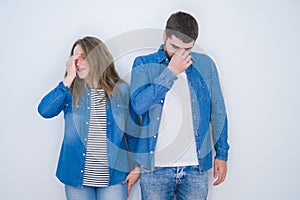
(68, 81)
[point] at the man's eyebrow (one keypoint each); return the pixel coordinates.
(175, 46)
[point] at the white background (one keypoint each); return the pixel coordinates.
(255, 44)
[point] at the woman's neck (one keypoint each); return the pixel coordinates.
(93, 85)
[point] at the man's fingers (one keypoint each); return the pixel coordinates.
(220, 179)
(180, 52)
(216, 172)
(185, 55)
(188, 58)
(188, 64)
(220, 174)
(217, 175)
(217, 182)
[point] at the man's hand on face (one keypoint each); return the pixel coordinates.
(180, 61)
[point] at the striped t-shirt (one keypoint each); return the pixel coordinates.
(96, 165)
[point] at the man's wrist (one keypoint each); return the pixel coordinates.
(174, 71)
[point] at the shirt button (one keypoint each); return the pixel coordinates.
(161, 101)
(84, 139)
(154, 136)
(87, 123)
(151, 152)
(88, 108)
(83, 154)
(81, 171)
(157, 118)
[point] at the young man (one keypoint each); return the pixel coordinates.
(177, 94)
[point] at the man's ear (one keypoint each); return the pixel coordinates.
(164, 36)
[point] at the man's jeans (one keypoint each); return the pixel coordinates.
(183, 182)
(115, 192)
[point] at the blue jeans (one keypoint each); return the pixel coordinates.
(116, 192)
(183, 182)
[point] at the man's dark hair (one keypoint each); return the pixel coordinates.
(183, 26)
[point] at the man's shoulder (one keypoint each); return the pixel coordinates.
(203, 63)
(201, 57)
(148, 58)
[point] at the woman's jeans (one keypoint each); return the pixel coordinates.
(183, 182)
(115, 192)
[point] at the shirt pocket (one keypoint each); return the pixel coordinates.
(119, 114)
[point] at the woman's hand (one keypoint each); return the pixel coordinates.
(71, 70)
(132, 178)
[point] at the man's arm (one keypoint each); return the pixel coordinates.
(144, 92)
(219, 127)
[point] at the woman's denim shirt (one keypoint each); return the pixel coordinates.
(70, 169)
(151, 80)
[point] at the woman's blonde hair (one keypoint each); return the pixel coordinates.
(101, 68)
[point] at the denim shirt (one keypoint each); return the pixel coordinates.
(73, 150)
(151, 80)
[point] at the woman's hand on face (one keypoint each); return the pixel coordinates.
(71, 65)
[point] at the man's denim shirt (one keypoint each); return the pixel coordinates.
(151, 80)
(70, 169)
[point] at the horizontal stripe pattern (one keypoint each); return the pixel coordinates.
(96, 164)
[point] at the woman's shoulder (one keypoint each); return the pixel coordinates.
(121, 93)
(123, 86)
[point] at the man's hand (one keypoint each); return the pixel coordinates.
(180, 61)
(220, 170)
(132, 178)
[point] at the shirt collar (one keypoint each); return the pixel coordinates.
(161, 54)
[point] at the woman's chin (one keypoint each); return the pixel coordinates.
(82, 75)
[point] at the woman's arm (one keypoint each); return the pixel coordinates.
(52, 104)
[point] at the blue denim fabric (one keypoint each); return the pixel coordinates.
(183, 182)
(115, 192)
(73, 150)
(151, 80)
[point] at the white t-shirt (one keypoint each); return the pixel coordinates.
(176, 144)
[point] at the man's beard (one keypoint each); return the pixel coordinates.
(166, 52)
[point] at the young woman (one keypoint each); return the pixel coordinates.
(94, 160)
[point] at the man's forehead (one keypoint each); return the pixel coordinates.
(176, 41)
